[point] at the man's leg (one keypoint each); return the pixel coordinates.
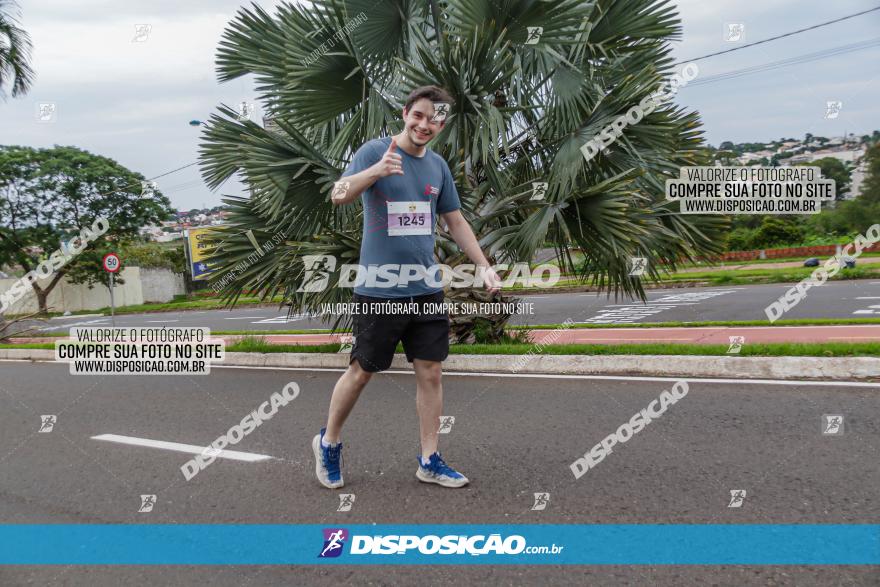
(345, 395)
(429, 403)
(427, 346)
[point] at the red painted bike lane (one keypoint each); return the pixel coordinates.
(678, 335)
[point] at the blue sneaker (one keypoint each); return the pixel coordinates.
(437, 471)
(327, 462)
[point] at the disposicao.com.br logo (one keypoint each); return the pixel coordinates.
(318, 270)
(430, 544)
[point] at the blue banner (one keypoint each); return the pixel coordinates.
(636, 544)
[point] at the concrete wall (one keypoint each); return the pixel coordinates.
(141, 285)
(161, 285)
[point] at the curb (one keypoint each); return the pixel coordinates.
(820, 368)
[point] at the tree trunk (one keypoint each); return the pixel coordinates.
(479, 327)
(42, 298)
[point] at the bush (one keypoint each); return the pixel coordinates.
(815, 240)
(740, 239)
(155, 256)
(777, 232)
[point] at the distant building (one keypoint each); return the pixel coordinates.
(805, 158)
(845, 155)
(150, 232)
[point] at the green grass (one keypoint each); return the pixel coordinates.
(830, 349)
(579, 257)
(779, 275)
(788, 322)
(259, 345)
(754, 350)
(833, 349)
(722, 264)
(726, 277)
(716, 277)
(29, 345)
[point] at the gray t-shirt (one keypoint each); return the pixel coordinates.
(400, 214)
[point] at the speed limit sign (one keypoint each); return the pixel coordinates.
(111, 263)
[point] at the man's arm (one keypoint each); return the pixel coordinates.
(464, 237)
(357, 184)
(390, 163)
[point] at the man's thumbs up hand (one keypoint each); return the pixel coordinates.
(391, 162)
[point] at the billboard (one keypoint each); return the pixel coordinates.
(199, 266)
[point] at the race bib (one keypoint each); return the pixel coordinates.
(409, 218)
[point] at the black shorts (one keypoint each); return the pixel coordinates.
(377, 330)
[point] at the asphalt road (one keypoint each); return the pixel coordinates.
(512, 436)
(840, 299)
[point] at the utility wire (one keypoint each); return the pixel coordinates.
(796, 60)
(174, 171)
(815, 26)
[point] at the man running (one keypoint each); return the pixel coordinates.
(403, 186)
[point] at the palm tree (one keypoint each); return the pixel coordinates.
(522, 111)
(15, 52)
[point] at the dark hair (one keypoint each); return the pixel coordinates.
(432, 93)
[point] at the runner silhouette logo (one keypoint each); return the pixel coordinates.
(334, 541)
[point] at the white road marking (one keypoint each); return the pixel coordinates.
(86, 323)
(159, 321)
(641, 305)
(193, 449)
(598, 377)
(630, 313)
(283, 319)
(868, 298)
(278, 320)
(88, 316)
(244, 318)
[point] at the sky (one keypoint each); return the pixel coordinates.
(132, 100)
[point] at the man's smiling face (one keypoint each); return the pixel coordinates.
(419, 124)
